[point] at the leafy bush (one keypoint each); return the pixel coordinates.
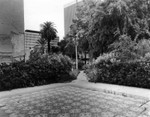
(135, 73)
(143, 47)
(125, 49)
(45, 70)
(147, 57)
(106, 57)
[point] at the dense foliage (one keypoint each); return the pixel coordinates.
(67, 46)
(121, 29)
(133, 73)
(101, 23)
(45, 70)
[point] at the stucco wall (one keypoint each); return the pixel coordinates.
(11, 47)
(5, 48)
(18, 45)
(11, 29)
(5, 43)
(11, 16)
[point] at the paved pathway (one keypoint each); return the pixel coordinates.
(70, 100)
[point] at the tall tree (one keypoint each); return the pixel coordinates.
(69, 46)
(48, 32)
(103, 22)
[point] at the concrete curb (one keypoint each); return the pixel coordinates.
(109, 91)
(125, 91)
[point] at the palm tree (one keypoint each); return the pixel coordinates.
(48, 32)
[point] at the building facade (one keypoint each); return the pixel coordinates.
(69, 14)
(11, 30)
(31, 38)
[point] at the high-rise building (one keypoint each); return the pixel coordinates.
(31, 38)
(69, 14)
(11, 30)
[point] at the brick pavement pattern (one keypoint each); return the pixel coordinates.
(72, 101)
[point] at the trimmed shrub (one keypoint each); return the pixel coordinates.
(45, 70)
(135, 73)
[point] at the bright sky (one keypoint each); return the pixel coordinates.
(39, 11)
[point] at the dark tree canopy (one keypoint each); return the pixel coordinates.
(67, 47)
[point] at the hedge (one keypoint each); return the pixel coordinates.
(45, 70)
(136, 74)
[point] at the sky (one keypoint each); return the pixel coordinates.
(37, 12)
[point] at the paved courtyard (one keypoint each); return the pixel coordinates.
(72, 101)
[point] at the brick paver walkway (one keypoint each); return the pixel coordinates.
(72, 101)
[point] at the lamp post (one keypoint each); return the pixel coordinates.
(76, 42)
(76, 49)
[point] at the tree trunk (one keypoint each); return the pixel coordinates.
(42, 50)
(85, 57)
(49, 47)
